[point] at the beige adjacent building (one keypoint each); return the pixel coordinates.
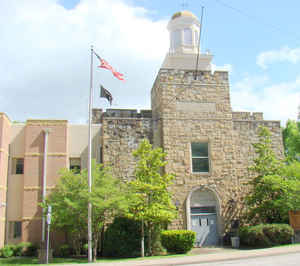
(209, 146)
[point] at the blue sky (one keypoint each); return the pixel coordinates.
(45, 53)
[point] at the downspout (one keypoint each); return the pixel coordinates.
(46, 131)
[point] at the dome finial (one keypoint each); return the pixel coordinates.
(184, 4)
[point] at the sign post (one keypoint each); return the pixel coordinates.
(48, 232)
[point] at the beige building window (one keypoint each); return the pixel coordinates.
(200, 158)
(75, 164)
(18, 166)
(15, 229)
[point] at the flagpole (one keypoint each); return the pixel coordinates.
(90, 255)
(199, 39)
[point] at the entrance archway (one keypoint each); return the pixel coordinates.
(202, 208)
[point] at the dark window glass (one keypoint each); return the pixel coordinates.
(205, 209)
(75, 168)
(17, 229)
(200, 165)
(75, 165)
(19, 166)
(200, 149)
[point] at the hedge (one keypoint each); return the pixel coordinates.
(266, 235)
(178, 241)
(21, 249)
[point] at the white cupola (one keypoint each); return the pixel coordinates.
(184, 29)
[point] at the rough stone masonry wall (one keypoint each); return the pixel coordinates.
(187, 110)
(246, 133)
(122, 131)
(194, 111)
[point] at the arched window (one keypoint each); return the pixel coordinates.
(187, 36)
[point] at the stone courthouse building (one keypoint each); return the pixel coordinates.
(208, 145)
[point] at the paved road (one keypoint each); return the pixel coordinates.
(277, 260)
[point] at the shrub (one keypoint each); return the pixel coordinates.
(279, 234)
(64, 251)
(30, 249)
(7, 251)
(85, 248)
(266, 235)
(123, 238)
(20, 249)
(178, 241)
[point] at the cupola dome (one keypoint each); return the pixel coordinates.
(184, 30)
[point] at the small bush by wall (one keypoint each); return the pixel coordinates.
(123, 238)
(266, 235)
(21, 249)
(178, 241)
(30, 249)
(7, 251)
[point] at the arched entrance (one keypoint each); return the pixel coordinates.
(202, 216)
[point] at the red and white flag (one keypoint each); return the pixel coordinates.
(106, 65)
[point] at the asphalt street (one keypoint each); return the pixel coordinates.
(292, 259)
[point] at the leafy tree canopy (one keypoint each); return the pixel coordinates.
(291, 140)
(276, 187)
(70, 199)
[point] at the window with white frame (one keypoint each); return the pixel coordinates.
(200, 157)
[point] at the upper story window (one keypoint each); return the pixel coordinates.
(176, 39)
(200, 158)
(75, 164)
(187, 36)
(196, 38)
(18, 166)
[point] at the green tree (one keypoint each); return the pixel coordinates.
(151, 201)
(70, 198)
(275, 187)
(291, 140)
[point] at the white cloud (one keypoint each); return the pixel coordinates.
(276, 101)
(285, 54)
(45, 58)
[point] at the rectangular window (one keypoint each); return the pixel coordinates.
(200, 159)
(18, 166)
(100, 155)
(15, 229)
(187, 39)
(75, 165)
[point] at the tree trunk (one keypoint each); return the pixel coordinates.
(149, 239)
(95, 242)
(142, 241)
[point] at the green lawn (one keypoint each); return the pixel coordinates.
(34, 261)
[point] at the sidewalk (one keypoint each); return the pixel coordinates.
(203, 255)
